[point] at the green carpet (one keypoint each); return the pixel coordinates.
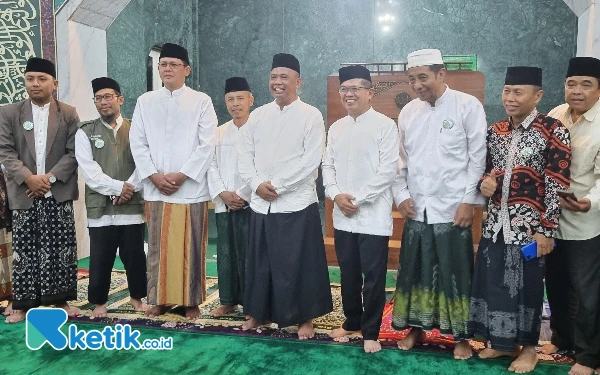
(207, 354)
(220, 354)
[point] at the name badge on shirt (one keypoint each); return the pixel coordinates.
(28, 125)
(98, 142)
(527, 151)
(448, 124)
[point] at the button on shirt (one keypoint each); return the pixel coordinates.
(585, 172)
(284, 147)
(100, 182)
(361, 159)
(442, 155)
(223, 174)
(174, 132)
(40, 129)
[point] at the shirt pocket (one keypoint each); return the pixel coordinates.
(451, 139)
(583, 159)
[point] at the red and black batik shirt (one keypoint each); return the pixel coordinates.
(532, 162)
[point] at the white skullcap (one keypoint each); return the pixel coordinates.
(424, 57)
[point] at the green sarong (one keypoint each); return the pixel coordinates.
(434, 278)
(232, 242)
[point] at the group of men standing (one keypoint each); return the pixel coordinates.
(437, 163)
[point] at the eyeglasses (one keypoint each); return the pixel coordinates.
(352, 90)
(172, 65)
(107, 97)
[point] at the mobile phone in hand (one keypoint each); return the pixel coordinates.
(566, 195)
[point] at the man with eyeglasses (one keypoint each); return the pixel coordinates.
(442, 157)
(173, 142)
(287, 281)
(37, 147)
(114, 205)
(359, 167)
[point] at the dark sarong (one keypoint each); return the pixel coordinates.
(45, 254)
(287, 281)
(507, 296)
(232, 244)
(434, 278)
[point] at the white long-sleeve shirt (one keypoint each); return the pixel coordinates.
(223, 174)
(174, 132)
(284, 147)
(442, 155)
(100, 182)
(40, 129)
(361, 159)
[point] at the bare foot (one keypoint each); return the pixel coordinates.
(158, 310)
(222, 310)
(138, 305)
(17, 316)
(491, 353)
(372, 346)
(525, 362)
(340, 332)
(578, 369)
(250, 324)
(414, 336)
(306, 330)
(99, 312)
(462, 350)
(549, 349)
(192, 312)
(71, 310)
(597, 371)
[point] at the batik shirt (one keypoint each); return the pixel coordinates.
(532, 162)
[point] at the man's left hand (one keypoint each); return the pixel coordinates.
(464, 215)
(177, 177)
(545, 245)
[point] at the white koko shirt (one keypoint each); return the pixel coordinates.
(361, 159)
(286, 148)
(174, 132)
(442, 155)
(223, 174)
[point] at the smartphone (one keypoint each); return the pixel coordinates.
(530, 251)
(566, 194)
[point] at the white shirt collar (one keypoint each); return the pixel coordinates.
(175, 93)
(45, 106)
(363, 116)
(119, 123)
(291, 105)
(441, 99)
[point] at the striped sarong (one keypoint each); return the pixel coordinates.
(177, 241)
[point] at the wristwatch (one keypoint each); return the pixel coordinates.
(52, 179)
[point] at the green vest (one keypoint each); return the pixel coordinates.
(115, 159)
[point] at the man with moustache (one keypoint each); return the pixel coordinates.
(359, 167)
(231, 197)
(528, 158)
(573, 268)
(173, 141)
(442, 157)
(37, 147)
(114, 205)
(287, 281)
